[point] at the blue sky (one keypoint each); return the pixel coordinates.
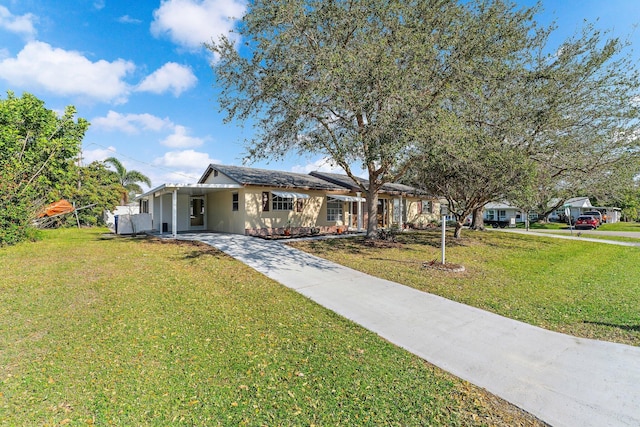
(138, 72)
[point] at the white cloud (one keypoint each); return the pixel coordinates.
(99, 4)
(321, 165)
(325, 164)
(99, 154)
(190, 23)
(170, 76)
(23, 25)
(126, 19)
(131, 123)
(189, 165)
(181, 139)
(67, 73)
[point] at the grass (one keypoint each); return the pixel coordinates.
(97, 331)
(595, 235)
(621, 226)
(581, 288)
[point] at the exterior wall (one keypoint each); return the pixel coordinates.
(133, 223)
(508, 214)
(220, 179)
(260, 222)
(221, 217)
(417, 217)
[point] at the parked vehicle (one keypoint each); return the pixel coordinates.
(587, 221)
(496, 224)
(595, 214)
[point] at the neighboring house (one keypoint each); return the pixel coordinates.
(502, 213)
(241, 200)
(579, 205)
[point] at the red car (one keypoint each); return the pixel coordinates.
(585, 221)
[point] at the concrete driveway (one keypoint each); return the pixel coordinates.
(561, 379)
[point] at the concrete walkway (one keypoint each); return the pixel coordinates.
(563, 380)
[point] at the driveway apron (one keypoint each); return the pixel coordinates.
(561, 379)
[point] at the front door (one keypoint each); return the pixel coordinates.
(382, 213)
(196, 212)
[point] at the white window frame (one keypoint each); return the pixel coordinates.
(334, 210)
(281, 203)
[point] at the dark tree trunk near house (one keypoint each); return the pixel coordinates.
(372, 209)
(477, 222)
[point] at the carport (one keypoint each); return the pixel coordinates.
(155, 202)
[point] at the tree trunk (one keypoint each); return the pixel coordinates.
(458, 229)
(477, 223)
(372, 209)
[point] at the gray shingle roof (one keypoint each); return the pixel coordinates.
(346, 182)
(269, 178)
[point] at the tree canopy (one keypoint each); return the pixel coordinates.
(525, 126)
(37, 151)
(129, 179)
(452, 89)
(359, 81)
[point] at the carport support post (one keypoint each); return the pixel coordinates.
(174, 214)
(359, 210)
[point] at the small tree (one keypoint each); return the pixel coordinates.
(129, 180)
(96, 189)
(37, 151)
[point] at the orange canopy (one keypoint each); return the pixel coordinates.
(57, 208)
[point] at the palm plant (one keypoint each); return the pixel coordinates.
(128, 179)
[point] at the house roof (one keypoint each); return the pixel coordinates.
(347, 182)
(270, 178)
(499, 205)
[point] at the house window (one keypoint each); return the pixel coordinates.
(491, 215)
(502, 215)
(144, 206)
(265, 201)
(426, 206)
(234, 203)
(334, 210)
(282, 203)
(299, 205)
(215, 173)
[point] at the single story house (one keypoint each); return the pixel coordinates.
(242, 200)
(579, 205)
(504, 213)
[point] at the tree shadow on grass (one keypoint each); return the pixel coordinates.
(630, 328)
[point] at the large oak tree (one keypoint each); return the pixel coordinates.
(360, 81)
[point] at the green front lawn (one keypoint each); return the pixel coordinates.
(581, 288)
(117, 331)
(621, 226)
